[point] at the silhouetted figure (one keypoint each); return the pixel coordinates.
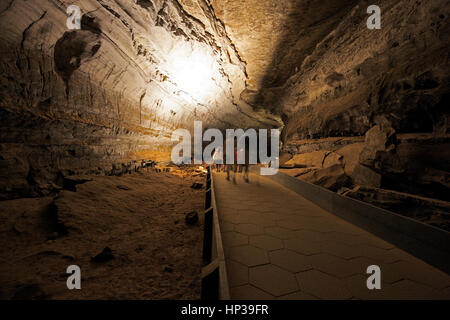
(218, 159)
(232, 167)
(243, 156)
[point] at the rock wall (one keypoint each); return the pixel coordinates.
(274, 37)
(75, 101)
(366, 112)
(354, 75)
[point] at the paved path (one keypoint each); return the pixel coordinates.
(278, 245)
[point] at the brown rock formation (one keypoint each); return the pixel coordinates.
(96, 99)
(354, 75)
(333, 178)
(79, 101)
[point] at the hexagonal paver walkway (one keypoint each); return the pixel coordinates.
(279, 245)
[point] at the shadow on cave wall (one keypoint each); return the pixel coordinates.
(310, 22)
(75, 47)
(410, 96)
(306, 24)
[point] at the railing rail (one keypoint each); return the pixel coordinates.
(426, 242)
(214, 274)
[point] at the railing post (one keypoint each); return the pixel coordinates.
(208, 183)
(208, 189)
(208, 199)
(210, 282)
(208, 236)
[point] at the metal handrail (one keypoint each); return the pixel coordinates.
(214, 274)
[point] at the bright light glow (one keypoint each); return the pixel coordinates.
(193, 71)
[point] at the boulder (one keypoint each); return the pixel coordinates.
(287, 165)
(350, 154)
(311, 159)
(319, 159)
(331, 159)
(285, 157)
(168, 269)
(379, 151)
(295, 172)
(103, 256)
(197, 186)
(364, 176)
(191, 218)
(434, 183)
(379, 138)
(332, 178)
(71, 182)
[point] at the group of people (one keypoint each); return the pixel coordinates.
(240, 156)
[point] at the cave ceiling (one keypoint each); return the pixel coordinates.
(310, 67)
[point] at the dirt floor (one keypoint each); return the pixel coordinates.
(140, 217)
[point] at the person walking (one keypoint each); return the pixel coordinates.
(218, 159)
(232, 167)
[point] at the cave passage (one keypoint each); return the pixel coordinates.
(105, 106)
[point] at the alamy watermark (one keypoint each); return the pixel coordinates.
(73, 21)
(250, 146)
(74, 280)
(374, 281)
(374, 20)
